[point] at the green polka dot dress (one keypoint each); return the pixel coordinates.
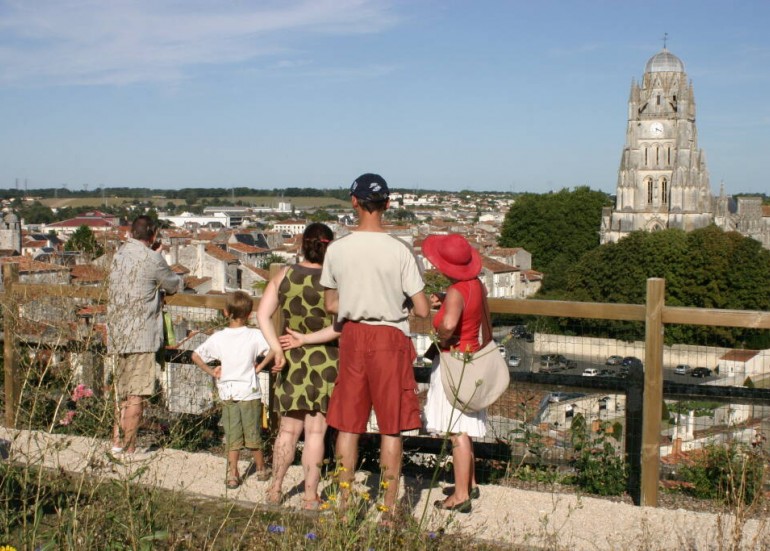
(307, 381)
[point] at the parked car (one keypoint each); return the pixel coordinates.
(700, 372)
(547, 359)
(518, 331)
(550, 368)
(606, 373)
(529, 337)
(590, 372)
(682, 369)
(614, 360)
(514, 361)
(628, 361)
(569, 364)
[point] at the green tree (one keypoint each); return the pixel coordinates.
(36, 213)
(271, 259)
(557, 228)
(322, 215)
(705, 268)
(84, 241)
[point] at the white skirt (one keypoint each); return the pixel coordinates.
(441, 417)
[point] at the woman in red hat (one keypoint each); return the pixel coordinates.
(457, 326)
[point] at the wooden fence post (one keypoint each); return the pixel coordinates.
(10, 361)
(653, 391)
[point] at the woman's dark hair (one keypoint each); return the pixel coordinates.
(316, 238)
(143, 228)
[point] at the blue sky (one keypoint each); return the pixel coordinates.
(487, 95)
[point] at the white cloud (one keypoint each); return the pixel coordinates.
(122, 41)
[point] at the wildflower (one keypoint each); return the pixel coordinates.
(66, 420)
(365, 496)
(311, 536)
(81, 391)
(332, 497)
(384, 484)
(7, 548)
(432, 535)
(383, 508)
(324, 506)
(344, 485)
(276, 529)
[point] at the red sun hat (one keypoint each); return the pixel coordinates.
(453, 256)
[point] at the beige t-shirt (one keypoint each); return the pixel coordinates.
(374, 274)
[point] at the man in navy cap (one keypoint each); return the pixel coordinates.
(372, 281)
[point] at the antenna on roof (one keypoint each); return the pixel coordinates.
(665, 39)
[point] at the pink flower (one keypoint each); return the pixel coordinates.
(67, 419)
(81, 391)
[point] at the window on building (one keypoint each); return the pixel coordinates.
(650, 190)
(664, 190)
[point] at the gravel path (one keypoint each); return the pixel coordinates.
(504, 515)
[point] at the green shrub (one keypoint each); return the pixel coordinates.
(599, 469)
(731, 473)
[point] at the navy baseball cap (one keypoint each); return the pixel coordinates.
(370, 187)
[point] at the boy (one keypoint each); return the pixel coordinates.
(237, 348)
(371, 280)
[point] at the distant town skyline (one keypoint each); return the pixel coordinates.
(491, 96)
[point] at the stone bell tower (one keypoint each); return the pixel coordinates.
(662, 179)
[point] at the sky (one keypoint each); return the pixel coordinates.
(520, 96)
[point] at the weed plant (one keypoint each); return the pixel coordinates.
(599, 468)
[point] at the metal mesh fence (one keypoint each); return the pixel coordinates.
(568, 375)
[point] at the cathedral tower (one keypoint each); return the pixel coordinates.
(662, 179)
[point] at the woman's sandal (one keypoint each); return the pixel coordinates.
(312, 504)
(273, 497)
(233, 482)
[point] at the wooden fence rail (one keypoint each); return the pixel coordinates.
(644, 390)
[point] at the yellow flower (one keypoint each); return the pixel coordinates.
(384, 484)
(365, 496)
(344, 485)
(332, 497)
(7, 548)
(324, 506)
(382, 508)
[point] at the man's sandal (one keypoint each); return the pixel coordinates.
(233, 482)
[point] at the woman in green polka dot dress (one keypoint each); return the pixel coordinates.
(306, 374)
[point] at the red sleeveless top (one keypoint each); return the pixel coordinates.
(468, 325)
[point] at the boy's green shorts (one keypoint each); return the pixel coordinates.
(242, 421)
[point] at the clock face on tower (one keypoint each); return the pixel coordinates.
(656, 129)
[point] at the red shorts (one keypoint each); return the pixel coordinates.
(375, 370)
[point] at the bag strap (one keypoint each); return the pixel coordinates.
(486, 320)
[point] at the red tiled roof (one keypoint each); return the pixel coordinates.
(88, 272)
(81, 221)
(495, 266)
(92, 310)
(179, 269)
(27, 265)
(192, 282)
(246, 249)
(219, 254)
(739, 355)
(504, 251)
(264, 274)
(207, 235)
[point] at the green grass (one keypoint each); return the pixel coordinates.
(46, 510)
